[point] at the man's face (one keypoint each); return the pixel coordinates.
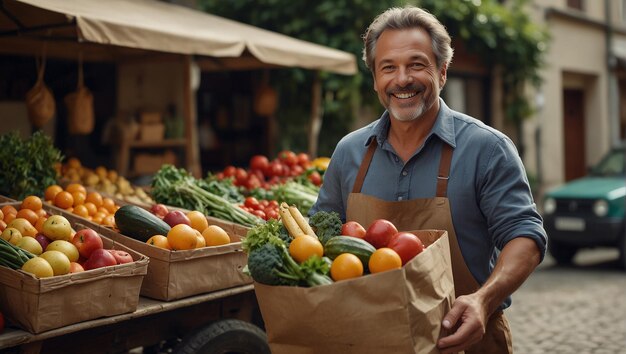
(406, 77)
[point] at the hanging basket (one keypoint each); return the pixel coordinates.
(265, 101)
(40, 103)
(80, 115)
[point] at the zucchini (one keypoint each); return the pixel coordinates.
(337, 245)
(139, 223)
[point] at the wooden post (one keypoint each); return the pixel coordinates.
(192, 148)
(315, 122)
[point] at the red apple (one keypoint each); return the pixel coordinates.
(43, 240)
(99, 258)
(379, 233)
(87, 241)
(176, 217)
(406, 245)
(159, 210)
(75, 267)
(354, 229)
(121, 256)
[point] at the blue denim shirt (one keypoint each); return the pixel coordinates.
(490, 198)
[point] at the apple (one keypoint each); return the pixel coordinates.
(379, 233)
(75, 267)
(159, 210)
(121, 257)
(354, 229)
(406, 245)
(99, 258)
(57, 227)
(43, 240)
(87, 241)
(176, 217)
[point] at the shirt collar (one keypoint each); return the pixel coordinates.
(443, 128)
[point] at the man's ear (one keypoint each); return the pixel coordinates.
(374, 79)
(443, 75)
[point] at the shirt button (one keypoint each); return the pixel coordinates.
(404, 173)
(399, 198)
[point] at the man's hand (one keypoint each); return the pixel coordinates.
(469, 316)
(467, 319)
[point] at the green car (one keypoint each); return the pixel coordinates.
(589, 212)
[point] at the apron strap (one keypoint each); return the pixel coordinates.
(365, 165)
(444, 170)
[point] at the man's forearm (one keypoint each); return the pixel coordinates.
(515, 263)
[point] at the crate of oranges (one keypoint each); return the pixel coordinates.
(90, 205)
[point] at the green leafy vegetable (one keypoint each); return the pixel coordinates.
(326, 225)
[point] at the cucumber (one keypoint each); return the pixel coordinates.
(337, 245)
(139, 223)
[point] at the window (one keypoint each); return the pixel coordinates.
(575, 4)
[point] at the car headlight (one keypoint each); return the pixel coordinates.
(601, 208)
(549, 206)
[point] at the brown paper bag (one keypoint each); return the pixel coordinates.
(397, 311)
(79, 104)
(40, 103)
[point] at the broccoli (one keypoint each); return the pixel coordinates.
(264, 264)
(326, 224)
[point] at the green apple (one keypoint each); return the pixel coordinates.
(57, 227)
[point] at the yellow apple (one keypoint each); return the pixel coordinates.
(65, 247)
(12, 235)
(57, 227)
(58, 261)
(31, 245)
(39, 267)
(24, 226)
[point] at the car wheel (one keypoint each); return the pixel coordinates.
(562, 252)
(225, 336)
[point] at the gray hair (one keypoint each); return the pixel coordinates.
(407, 18)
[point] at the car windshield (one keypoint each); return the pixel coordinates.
(612, 165)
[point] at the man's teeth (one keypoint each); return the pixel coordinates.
(405, 95)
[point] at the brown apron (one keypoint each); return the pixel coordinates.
(429, 213)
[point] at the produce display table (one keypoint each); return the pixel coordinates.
(152, 322)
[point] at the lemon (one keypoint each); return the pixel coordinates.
(39, 267)
(30, 244)
(58, 260)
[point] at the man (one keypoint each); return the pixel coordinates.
(429, 167)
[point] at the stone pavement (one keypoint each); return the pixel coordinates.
(579, 309)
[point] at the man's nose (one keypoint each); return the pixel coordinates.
(404, 77)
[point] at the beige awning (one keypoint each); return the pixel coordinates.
(162, 27)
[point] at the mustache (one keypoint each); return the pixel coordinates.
(414, 87)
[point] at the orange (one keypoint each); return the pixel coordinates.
(305, 247)
(346, 266)
(81, 210)
(73, 162)
(3, 225)
(109, 204)
(1, 215)
(28, 214)
(79, 198)
(8, 209)
(215, 236)
(42, 212)
(51, 191)
(9, 217)
(201, 241)
(159, 241)
(75, 187)
(32, 202)
(384, 259)
(39, 224)
(198, 220)
(182, 237)
(108, 220)
(91, 208)
(103, 210)
(95, 198)
(64, 200)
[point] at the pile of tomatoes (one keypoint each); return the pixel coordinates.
(263, 172)
(265, 209)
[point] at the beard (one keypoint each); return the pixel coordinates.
(406, 114)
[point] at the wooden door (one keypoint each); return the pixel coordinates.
(574, 133)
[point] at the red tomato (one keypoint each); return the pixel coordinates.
(252, 182)
(288, 157)
(259, 213)
(354, 229)
(273, 203)
(229, 171)
(251, 202)
(406, 245)
(271, 213)
(303, 160)
(275, 169)
(259, 162)
(315, 178)
(296, 170)
(241, 176)
(379, 233)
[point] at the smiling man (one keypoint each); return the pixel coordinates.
(434, 168)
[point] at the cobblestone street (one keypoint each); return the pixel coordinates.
(579, 309)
